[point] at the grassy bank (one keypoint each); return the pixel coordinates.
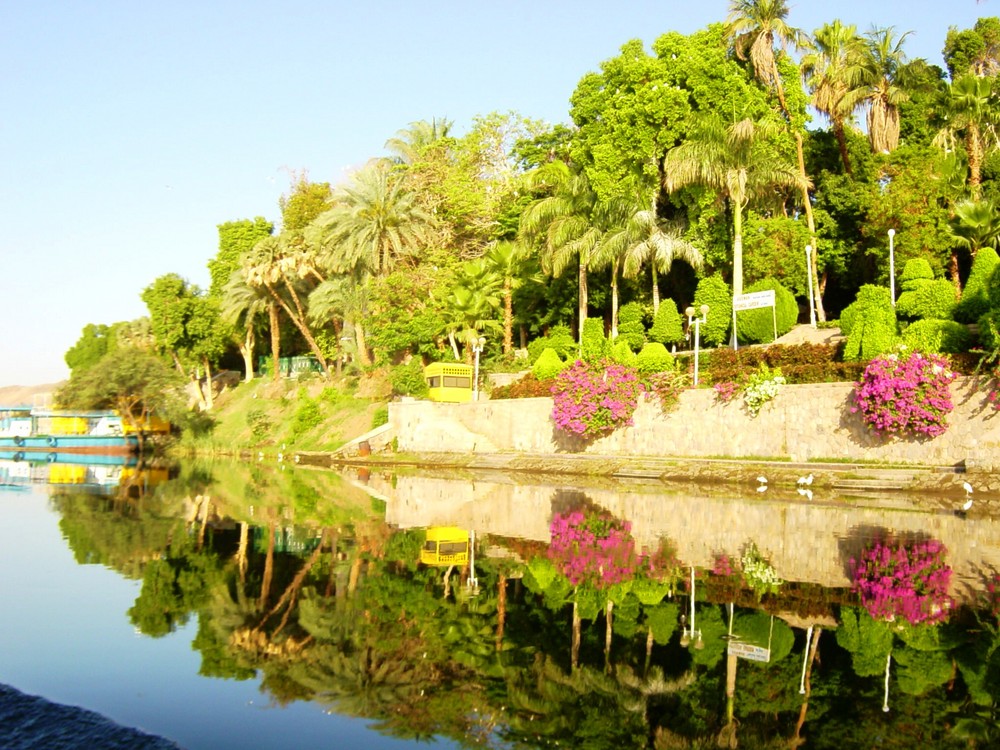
(304, 414)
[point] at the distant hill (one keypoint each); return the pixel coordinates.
(30, 395)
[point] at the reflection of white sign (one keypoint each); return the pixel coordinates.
(749, 651)
(754, 300)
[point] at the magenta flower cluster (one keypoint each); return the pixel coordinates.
(906, 394)
(593, 400)
(726, 391)
(592, 550)
(908, 581)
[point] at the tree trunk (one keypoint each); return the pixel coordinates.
(501, 609)
(209, 390)
(275, 323)
(656, 290)
(582, 297)
(246, 350)
(737, 249)
(841, 136)
(265, 584)
(973, 149)
(508, 316)
(574, 654)
(241, 551)
(608, 615)
(614, 300)
(298, 318)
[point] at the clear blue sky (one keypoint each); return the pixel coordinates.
(131, 129)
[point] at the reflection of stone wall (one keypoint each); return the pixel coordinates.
(806, 542)
(804, 422)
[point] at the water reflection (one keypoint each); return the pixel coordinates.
(498, 612)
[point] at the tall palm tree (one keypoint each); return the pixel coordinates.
(472, 303)
(837, 47)
(973, 115)
(375, 222)
(737, 163)
(755, 26)
(565, 223)
(243, 306)
(874, 83)
(512, 262)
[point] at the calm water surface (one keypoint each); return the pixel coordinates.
(224, 605)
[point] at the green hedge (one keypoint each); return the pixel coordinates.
(654, 357)
(594, 345)
(715, 293)
(548, 365)
(757, 326)
(630, 326)
(933, 299)
(937, 336)
(975, 296)
(799, 363)
(872, 324)
(668, 326)
(559, 338)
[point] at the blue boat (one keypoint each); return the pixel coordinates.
(28, 430)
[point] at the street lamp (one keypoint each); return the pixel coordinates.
(697, 332)
(809, 276)
(477, 349)
(690, 634)
(892, 269)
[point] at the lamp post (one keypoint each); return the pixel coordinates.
(477, 349)
(892, 269)
(809, 276)
(697, 333)
(689, 635)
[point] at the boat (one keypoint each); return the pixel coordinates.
(30, 430)
(93, 474)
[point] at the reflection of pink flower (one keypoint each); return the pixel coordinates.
(592, 549)
(904, 580)
(723, 566)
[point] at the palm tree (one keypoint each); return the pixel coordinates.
(658, 244)
(243, 306)
(374, 223)
(874, 83)
(754, 27)
(825, 72)
(736, 162)
(409, 143)
(512, 262)
(472, 301)
(971, 114)
(274, 268)
(564, 221)
(976, 224)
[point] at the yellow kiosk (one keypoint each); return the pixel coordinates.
(449, 381)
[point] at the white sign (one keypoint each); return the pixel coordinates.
(754, 300)
(749, 651)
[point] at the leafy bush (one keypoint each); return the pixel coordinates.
(761, 388)
(259, 423)
(594, 345)
(937, 337)
(654, 358)
(915, 272)
(975, 296)
(560, 339)
(408, 379)
(758, 325)
(548, 365)
(630, 327)
(874, 329)
(715, 293)
(380, 416)
(668, 326)
(307, 414)
(622, 353)
(929, 299)
(591, 400)
(799, 363)
(527, 387)
(907, 394)
(910, 581)
(667, 387)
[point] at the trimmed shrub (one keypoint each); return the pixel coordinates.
(548, 365)
(559, 338)
(873, 330)
(975, 299)
(630, 327)
(928, 299)
(594, 345)
(668, 326)
(408, 379)
(527, 387)
(654, 358)
(937, 336)
(622, 353)
(715, 293)
(757, 326)
(989, 331)
(916, 271)
(799, 363)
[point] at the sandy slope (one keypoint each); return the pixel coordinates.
(30, 395)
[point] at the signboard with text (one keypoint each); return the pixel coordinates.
(754, 300)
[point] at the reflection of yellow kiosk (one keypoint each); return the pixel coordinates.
(449, 381)
(445, 545)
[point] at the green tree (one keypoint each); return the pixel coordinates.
(409, 144)
(971, 115)
(513, 263)
(874, 80)
(89, 348)
(736, 161)
(236, 239)
(975, 50)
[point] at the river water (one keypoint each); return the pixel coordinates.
(233, 605)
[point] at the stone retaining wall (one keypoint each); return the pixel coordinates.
(804, 422)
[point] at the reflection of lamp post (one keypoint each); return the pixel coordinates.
(809, 276)
(805, 660)
(472, 581)
(697, 333)
(477, 349)
(690, 634)
(885, 700)
(892, 269)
